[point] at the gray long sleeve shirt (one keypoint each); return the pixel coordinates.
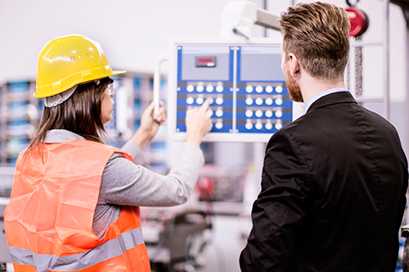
(126, 183)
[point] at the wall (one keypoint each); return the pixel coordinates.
(133, 33)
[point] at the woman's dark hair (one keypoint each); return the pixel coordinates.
(81, 113)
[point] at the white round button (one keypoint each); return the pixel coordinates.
(211, 112)
(189, 100)
(269, 89)
(279, 89)
(269, 101)
(219, 100)
(249, 113)
(199, 100)
(249, 101)
(219, 125)
(209, 88)
(219, 112)
(210, 99)
(219, 88)
(200, 88)
(259, 125)
(259, 101)
(268, 125)
(249, 125)
(279, 101)
(278, 126)
(269, 114)
(259, 113)
(279, 114)
(190, 88)
(249, 89)
(259, 89)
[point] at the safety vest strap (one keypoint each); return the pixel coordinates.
(110, 249)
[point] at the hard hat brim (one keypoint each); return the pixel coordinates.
(119, 72)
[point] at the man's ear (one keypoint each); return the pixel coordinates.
(294, 66)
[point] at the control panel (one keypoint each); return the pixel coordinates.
(244, 83)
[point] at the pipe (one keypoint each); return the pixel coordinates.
(387, 60)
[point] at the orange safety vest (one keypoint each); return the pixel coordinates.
(48, 221)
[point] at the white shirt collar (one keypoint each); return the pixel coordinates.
(307, 104)
(61, 136)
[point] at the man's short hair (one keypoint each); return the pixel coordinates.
(317, 34)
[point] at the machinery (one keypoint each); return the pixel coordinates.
(243, 82)
(6, 174)
(182, 241)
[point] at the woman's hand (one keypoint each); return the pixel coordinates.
(152, 119)
(198, 123)
(150, 122)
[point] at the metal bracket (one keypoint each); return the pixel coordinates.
(156, 81)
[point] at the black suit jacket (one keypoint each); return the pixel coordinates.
(333, 193)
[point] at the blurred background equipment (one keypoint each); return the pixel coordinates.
(182, 242)
(359, 21)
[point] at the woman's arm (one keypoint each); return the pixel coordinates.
(125, 183)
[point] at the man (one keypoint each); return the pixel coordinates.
(334, 181)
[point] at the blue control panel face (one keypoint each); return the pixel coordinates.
(244, 83)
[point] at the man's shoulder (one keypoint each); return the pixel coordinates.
(308, 130)
(294, 129)
(288, 135)
(328, 125)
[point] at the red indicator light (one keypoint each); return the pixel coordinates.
(206, 61)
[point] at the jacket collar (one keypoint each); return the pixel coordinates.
(331, 99)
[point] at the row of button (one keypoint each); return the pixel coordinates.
(249, 113)
(267, 89)
(259, 113)
(250, 124)
(214, 112)
(209, 88)
(219, 88)
(201, 99)
(259, 125)
(259, 101)
(249, 100)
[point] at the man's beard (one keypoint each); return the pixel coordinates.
(293, 88)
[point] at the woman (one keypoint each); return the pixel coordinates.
(74, 202)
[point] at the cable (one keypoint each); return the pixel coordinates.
(352, 3)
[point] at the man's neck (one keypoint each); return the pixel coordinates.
(313, 87)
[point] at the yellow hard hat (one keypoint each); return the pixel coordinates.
(67, 61)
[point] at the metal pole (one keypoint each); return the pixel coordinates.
(387, 61)
(156, 82)
(406, 101)
(265, 7)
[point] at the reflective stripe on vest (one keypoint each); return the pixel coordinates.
(110, 249)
